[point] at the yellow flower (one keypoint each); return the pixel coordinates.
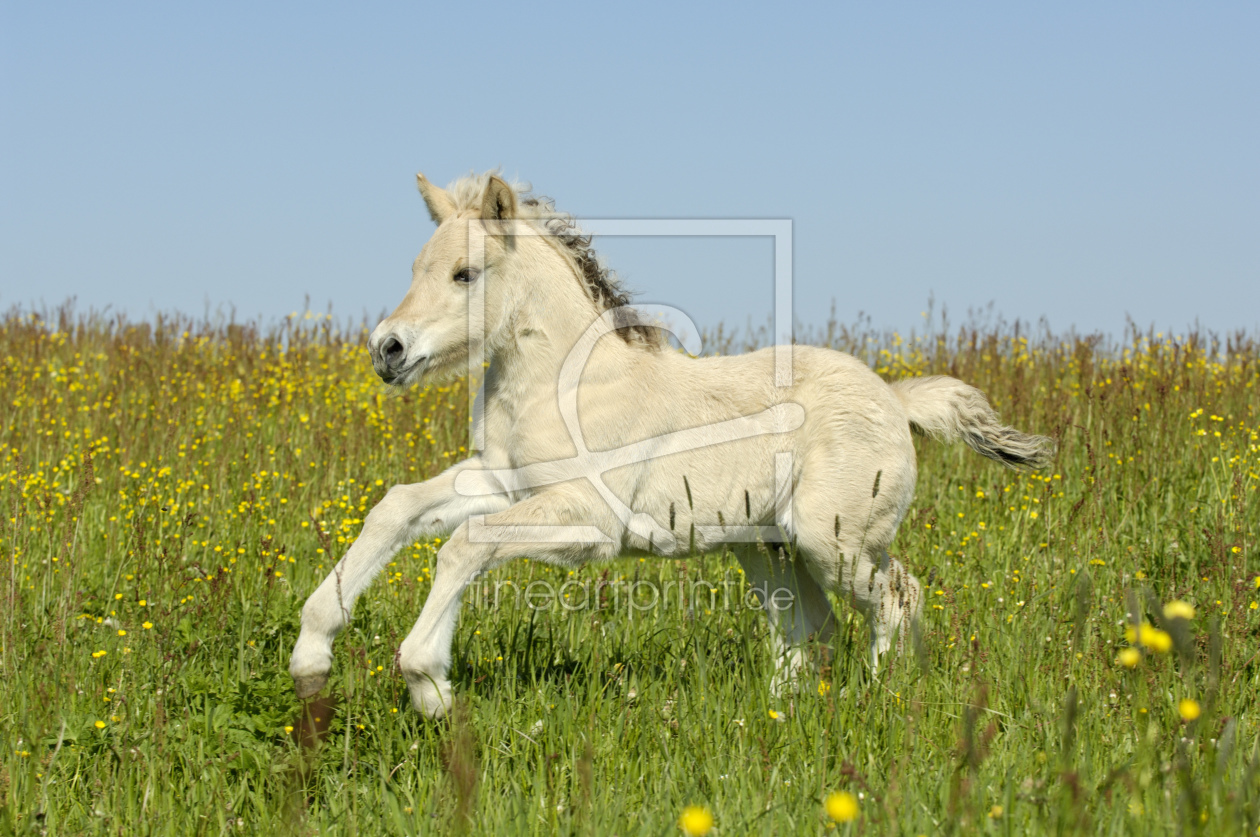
(1152, 637)
(147, 625)
(774, 715)
(100, 725)
(695, 821)
(1157, 640)
(995, 813)
(1189, 709)
(1130, 657)
(823, 687)
(1178, 609)
(841, 806)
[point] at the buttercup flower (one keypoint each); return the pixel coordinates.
(841, 806)
(1150, 636)
(695, 821)
(1157, 640)
(1178, 609)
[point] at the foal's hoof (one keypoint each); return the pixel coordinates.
(309, 685)
(432, 697)
(310, 665)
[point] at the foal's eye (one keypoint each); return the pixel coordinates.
(467, 275)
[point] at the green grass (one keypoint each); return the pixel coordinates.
(201, 479)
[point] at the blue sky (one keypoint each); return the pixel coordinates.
(1078, 161)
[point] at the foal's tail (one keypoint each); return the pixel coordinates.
(947, 409)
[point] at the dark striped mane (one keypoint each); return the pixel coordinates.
(600, 282)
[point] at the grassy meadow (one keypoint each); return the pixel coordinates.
(171, 491)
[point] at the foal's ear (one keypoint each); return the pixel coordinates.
(439, 203)
(499, 202)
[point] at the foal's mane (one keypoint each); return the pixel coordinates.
(600, 282)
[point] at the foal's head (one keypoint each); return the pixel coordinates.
(532, 256)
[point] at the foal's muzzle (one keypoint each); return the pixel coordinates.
(389, 357)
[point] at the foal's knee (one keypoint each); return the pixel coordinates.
(394, 509)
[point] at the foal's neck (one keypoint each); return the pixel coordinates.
(550, 318)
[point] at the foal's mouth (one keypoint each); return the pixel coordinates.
(401, 376)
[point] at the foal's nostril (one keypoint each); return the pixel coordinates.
(392, 351)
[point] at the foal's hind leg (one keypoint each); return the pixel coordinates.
(795, 605)
(890, 598)
(843, 529)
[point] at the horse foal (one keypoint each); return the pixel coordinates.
(601, 440)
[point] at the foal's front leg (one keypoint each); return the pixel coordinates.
(406, 513)
(425, 655)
